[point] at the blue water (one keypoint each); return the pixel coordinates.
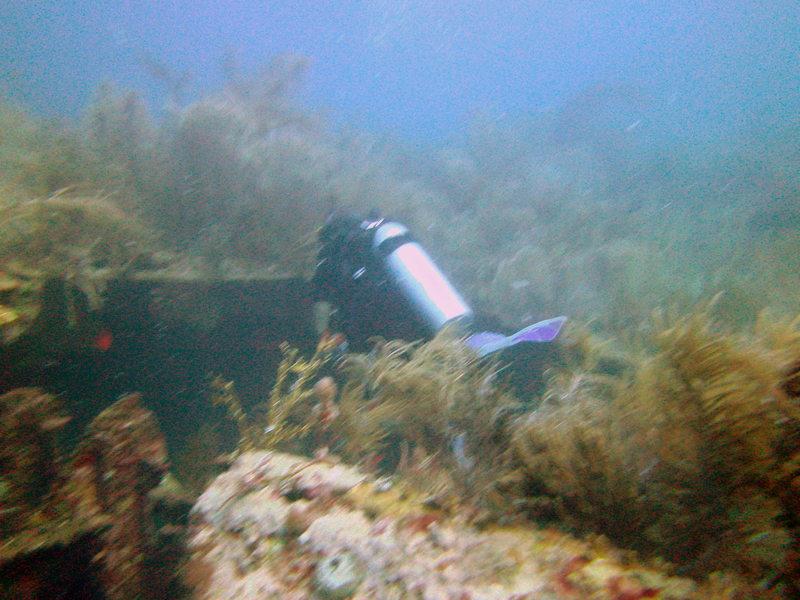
(421, 70)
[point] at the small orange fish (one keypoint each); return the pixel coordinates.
(103, 340)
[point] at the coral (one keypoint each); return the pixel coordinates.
(351, 544)
(39, 529)
(30, 459)
(338, 576)
(122, 458)
(89, 520)
(677, 453)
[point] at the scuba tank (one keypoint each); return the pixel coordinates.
(417, 279)
(382, 282)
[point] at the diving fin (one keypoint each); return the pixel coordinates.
(488, 342)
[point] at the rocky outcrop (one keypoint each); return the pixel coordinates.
(280, 526)
(121, 459)
(84, 527)
(46, 547)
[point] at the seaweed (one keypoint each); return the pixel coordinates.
(38, 157)
(430, 412)
(680, 454)
(291, 392)
(527, 218)
(86, 240)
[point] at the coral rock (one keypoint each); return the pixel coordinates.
(121, 459)
(46, 548)
(337, 577)
(30, 462)
(239, 550)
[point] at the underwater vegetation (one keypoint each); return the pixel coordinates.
(291, 396)
(429, 412)
(682, 445)
(405, 404)
(681, 441)
(688, 451)
(432, 402)
(561, 212)
(238, 182)
(58, 255)
(546, 216)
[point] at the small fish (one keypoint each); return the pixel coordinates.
(459, 446)
(759, 537)
(103, 340)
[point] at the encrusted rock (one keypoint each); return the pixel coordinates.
(30, 463)
(299, 518)
(338, 576)
(261, 513)
(347, 547)
(121, 459)
(86, 526)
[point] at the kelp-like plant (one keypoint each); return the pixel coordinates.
(408, 405)
(59, 232)
(86, 240)
(291, 391)
(680, 453)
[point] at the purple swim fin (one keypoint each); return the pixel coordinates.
(487, 342)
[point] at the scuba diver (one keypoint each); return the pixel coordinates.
(381, 282)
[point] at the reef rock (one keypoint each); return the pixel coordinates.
(46, 548)
(30, 461)
(281, 526)
(121, 459)
(84, 528)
